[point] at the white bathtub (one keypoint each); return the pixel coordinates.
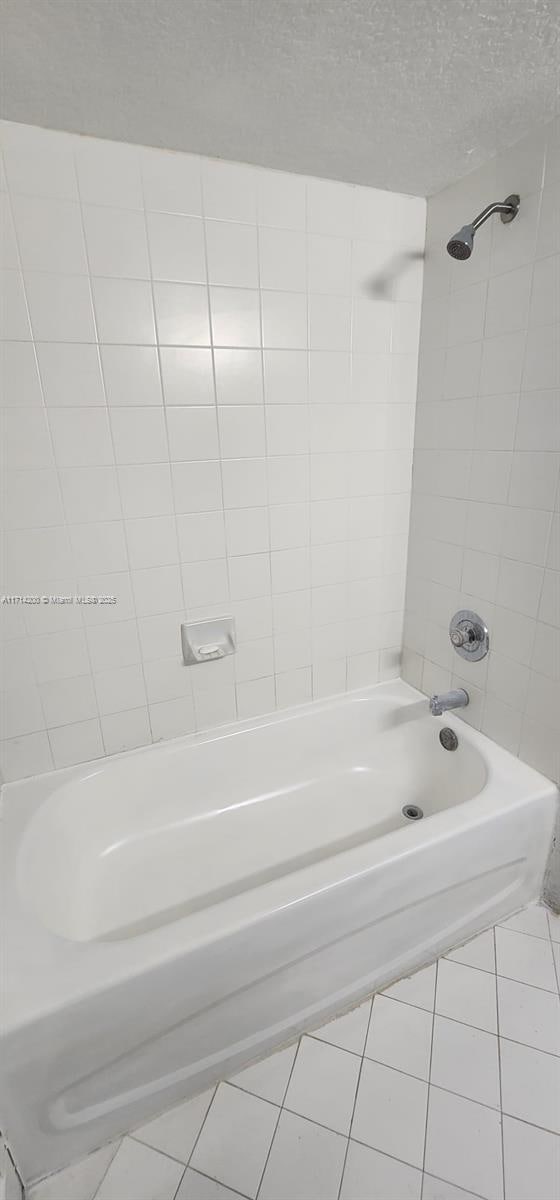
(175, 912)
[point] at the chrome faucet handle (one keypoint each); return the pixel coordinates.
(462, 637)
(469, 635)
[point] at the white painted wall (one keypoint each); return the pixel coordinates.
(485, 522)
(209, 389)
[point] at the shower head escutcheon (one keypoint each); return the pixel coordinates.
(460, 246)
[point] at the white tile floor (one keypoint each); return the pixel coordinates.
(445, 1087)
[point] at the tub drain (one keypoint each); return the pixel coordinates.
(448, 739)
(412, 812)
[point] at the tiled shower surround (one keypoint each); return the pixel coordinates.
(209, 385)
(485, 519)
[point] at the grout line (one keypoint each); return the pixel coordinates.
(281, 1110)
(109, 1165)
(54, 465)
(157, 1150)
(429, 1082)
(556, 964)
(203, 1174)
(266, 456)
(439, 1179)
(358, 1081)
(212, 1098)
(168, 464)
(497, 1001)
(120, 520)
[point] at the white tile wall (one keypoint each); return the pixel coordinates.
(209, 381)
(485, 523)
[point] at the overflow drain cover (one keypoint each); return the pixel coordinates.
(412, 812)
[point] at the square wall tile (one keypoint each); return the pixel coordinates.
(145, 490)
(139, 435)
(76, 743)
(120, 689)
(126, 730)
(171, 182)
(81, 437)
(238, 376)
(193, 433)
(181, 314)
(172, 718)
(281, 199)
(197, 487)
(109, 173)
(26, 438)
(19, 377)
(116, 242)
(14, 319)
(70, 375)
(229, 190)
(201, 536)
(241, 431)
(235, 317)
(187, 375)
(50, 235)
(176, 247)
(282, 254)
(59, 306)
(232, 254)
(124, 313)
(131, 375)
(285, 374)
(329, 322)
(39, 161)
(284, 316)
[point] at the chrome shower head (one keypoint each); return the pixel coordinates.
(460, 246)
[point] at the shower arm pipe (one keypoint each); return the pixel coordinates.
(501, 207)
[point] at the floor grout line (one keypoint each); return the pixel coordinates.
(180, 1161)
(213, 1179)
(358, 1081)
(109, 1164)
(273, 1138)
(196, 1140)
(429, 1081)
(497, 1000)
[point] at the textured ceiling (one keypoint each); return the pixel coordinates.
(401, 94)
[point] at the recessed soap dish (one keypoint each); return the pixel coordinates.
(207, 641)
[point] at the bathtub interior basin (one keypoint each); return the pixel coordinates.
(150, 837)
